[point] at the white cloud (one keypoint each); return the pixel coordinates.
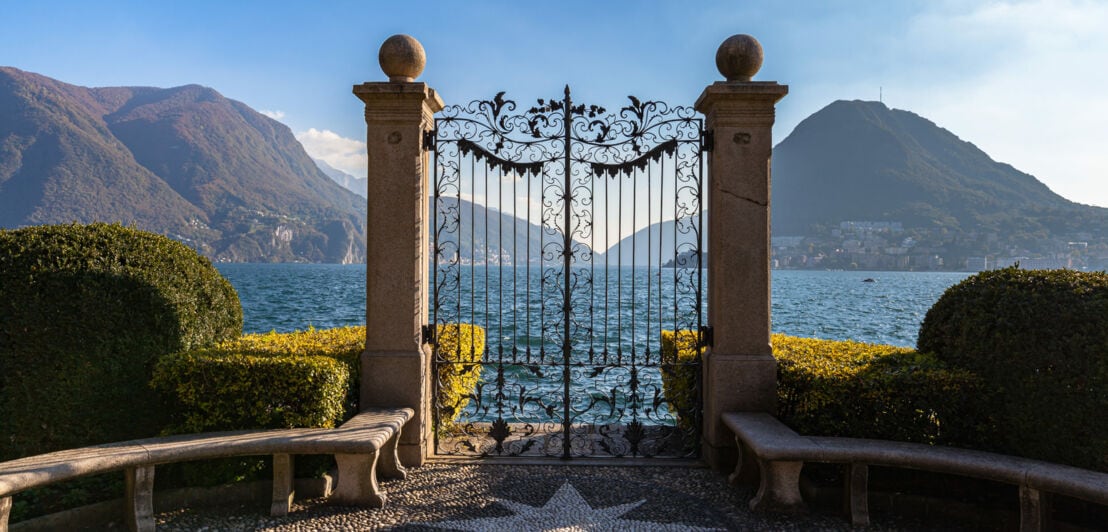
(348, 155)
(276, 115)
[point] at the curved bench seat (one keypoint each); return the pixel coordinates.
(355, 444)
(780, 453)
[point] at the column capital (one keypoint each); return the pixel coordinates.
(740, 103)
(388, 101)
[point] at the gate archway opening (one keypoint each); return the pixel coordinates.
(572, 237)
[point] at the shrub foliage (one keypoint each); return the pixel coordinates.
(859, 390)
(300, 379)
(85, 310)
(458, 351)
(681, 375)
(1038, 340)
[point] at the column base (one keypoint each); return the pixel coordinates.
(392, 379)
(734, 383)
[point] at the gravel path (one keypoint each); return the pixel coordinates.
(449, 496)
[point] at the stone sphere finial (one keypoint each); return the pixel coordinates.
(739, 57)
(402, 58)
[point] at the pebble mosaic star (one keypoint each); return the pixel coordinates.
(565, 511)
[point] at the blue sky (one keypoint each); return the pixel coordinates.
(1023, 80)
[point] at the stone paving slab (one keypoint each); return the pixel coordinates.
(452, 496)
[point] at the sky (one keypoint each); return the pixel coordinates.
(1023, 80)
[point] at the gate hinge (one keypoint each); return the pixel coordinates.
(429, 139)
(429, 333)
(706, 337)
(708, 141)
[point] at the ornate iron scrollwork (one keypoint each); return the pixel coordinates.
(573, 365)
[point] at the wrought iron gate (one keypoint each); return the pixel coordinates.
(572, 237)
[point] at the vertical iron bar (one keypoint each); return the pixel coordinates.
(700, 248)
(632, 396)
(592, 267)
(500, 265)
(661, 251)
(472, 242)
(566, 255)
(676, 251)
(607, 272)
(528, 272)
(619, 273)
(435, 291)
(515, 269)
(649, 269)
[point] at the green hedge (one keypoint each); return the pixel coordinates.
(459, 349)
(260, 381)
(681, 375)
(85, 311)
(301, 379)
(1038, 340)
(854, 389)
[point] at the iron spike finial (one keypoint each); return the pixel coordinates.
(567, 91)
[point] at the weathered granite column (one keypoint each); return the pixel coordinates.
(740, 373)
(395, 364)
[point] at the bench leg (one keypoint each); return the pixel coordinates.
(1034, 510)
(283, 482)
(779, 487)
(856, 493)
(390, 466)
(139, 498)
(5, 512)
(358, 481)
(733, 478)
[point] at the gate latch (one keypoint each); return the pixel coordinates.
(429, 139)
(706, 338)
(429, 334)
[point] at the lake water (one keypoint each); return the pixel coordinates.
(819, 304)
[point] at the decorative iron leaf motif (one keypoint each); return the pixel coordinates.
(616, 405)
(500, 432)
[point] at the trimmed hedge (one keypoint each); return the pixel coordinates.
(844, 388)
(859, 390)
(300, 379)
(1038, 340)
(85, 311)
(680, 375)
(459, 350)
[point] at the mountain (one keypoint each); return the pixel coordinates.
(184, 161)
(488, 235)
(857, 160)
(357, 185)
(654, 245)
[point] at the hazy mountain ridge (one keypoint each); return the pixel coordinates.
(357, 185)
(487, 235)
(183, 161)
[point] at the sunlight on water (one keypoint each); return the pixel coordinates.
(818, 304)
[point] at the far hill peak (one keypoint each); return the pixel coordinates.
(860, 160)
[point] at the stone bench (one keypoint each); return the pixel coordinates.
(780, 453)
(356, 446)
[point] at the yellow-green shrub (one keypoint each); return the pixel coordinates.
(854, 389)
(458, 353)
(680, 374)
(300, 379)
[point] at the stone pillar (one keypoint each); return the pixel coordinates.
(395, 369)
(740, 373)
